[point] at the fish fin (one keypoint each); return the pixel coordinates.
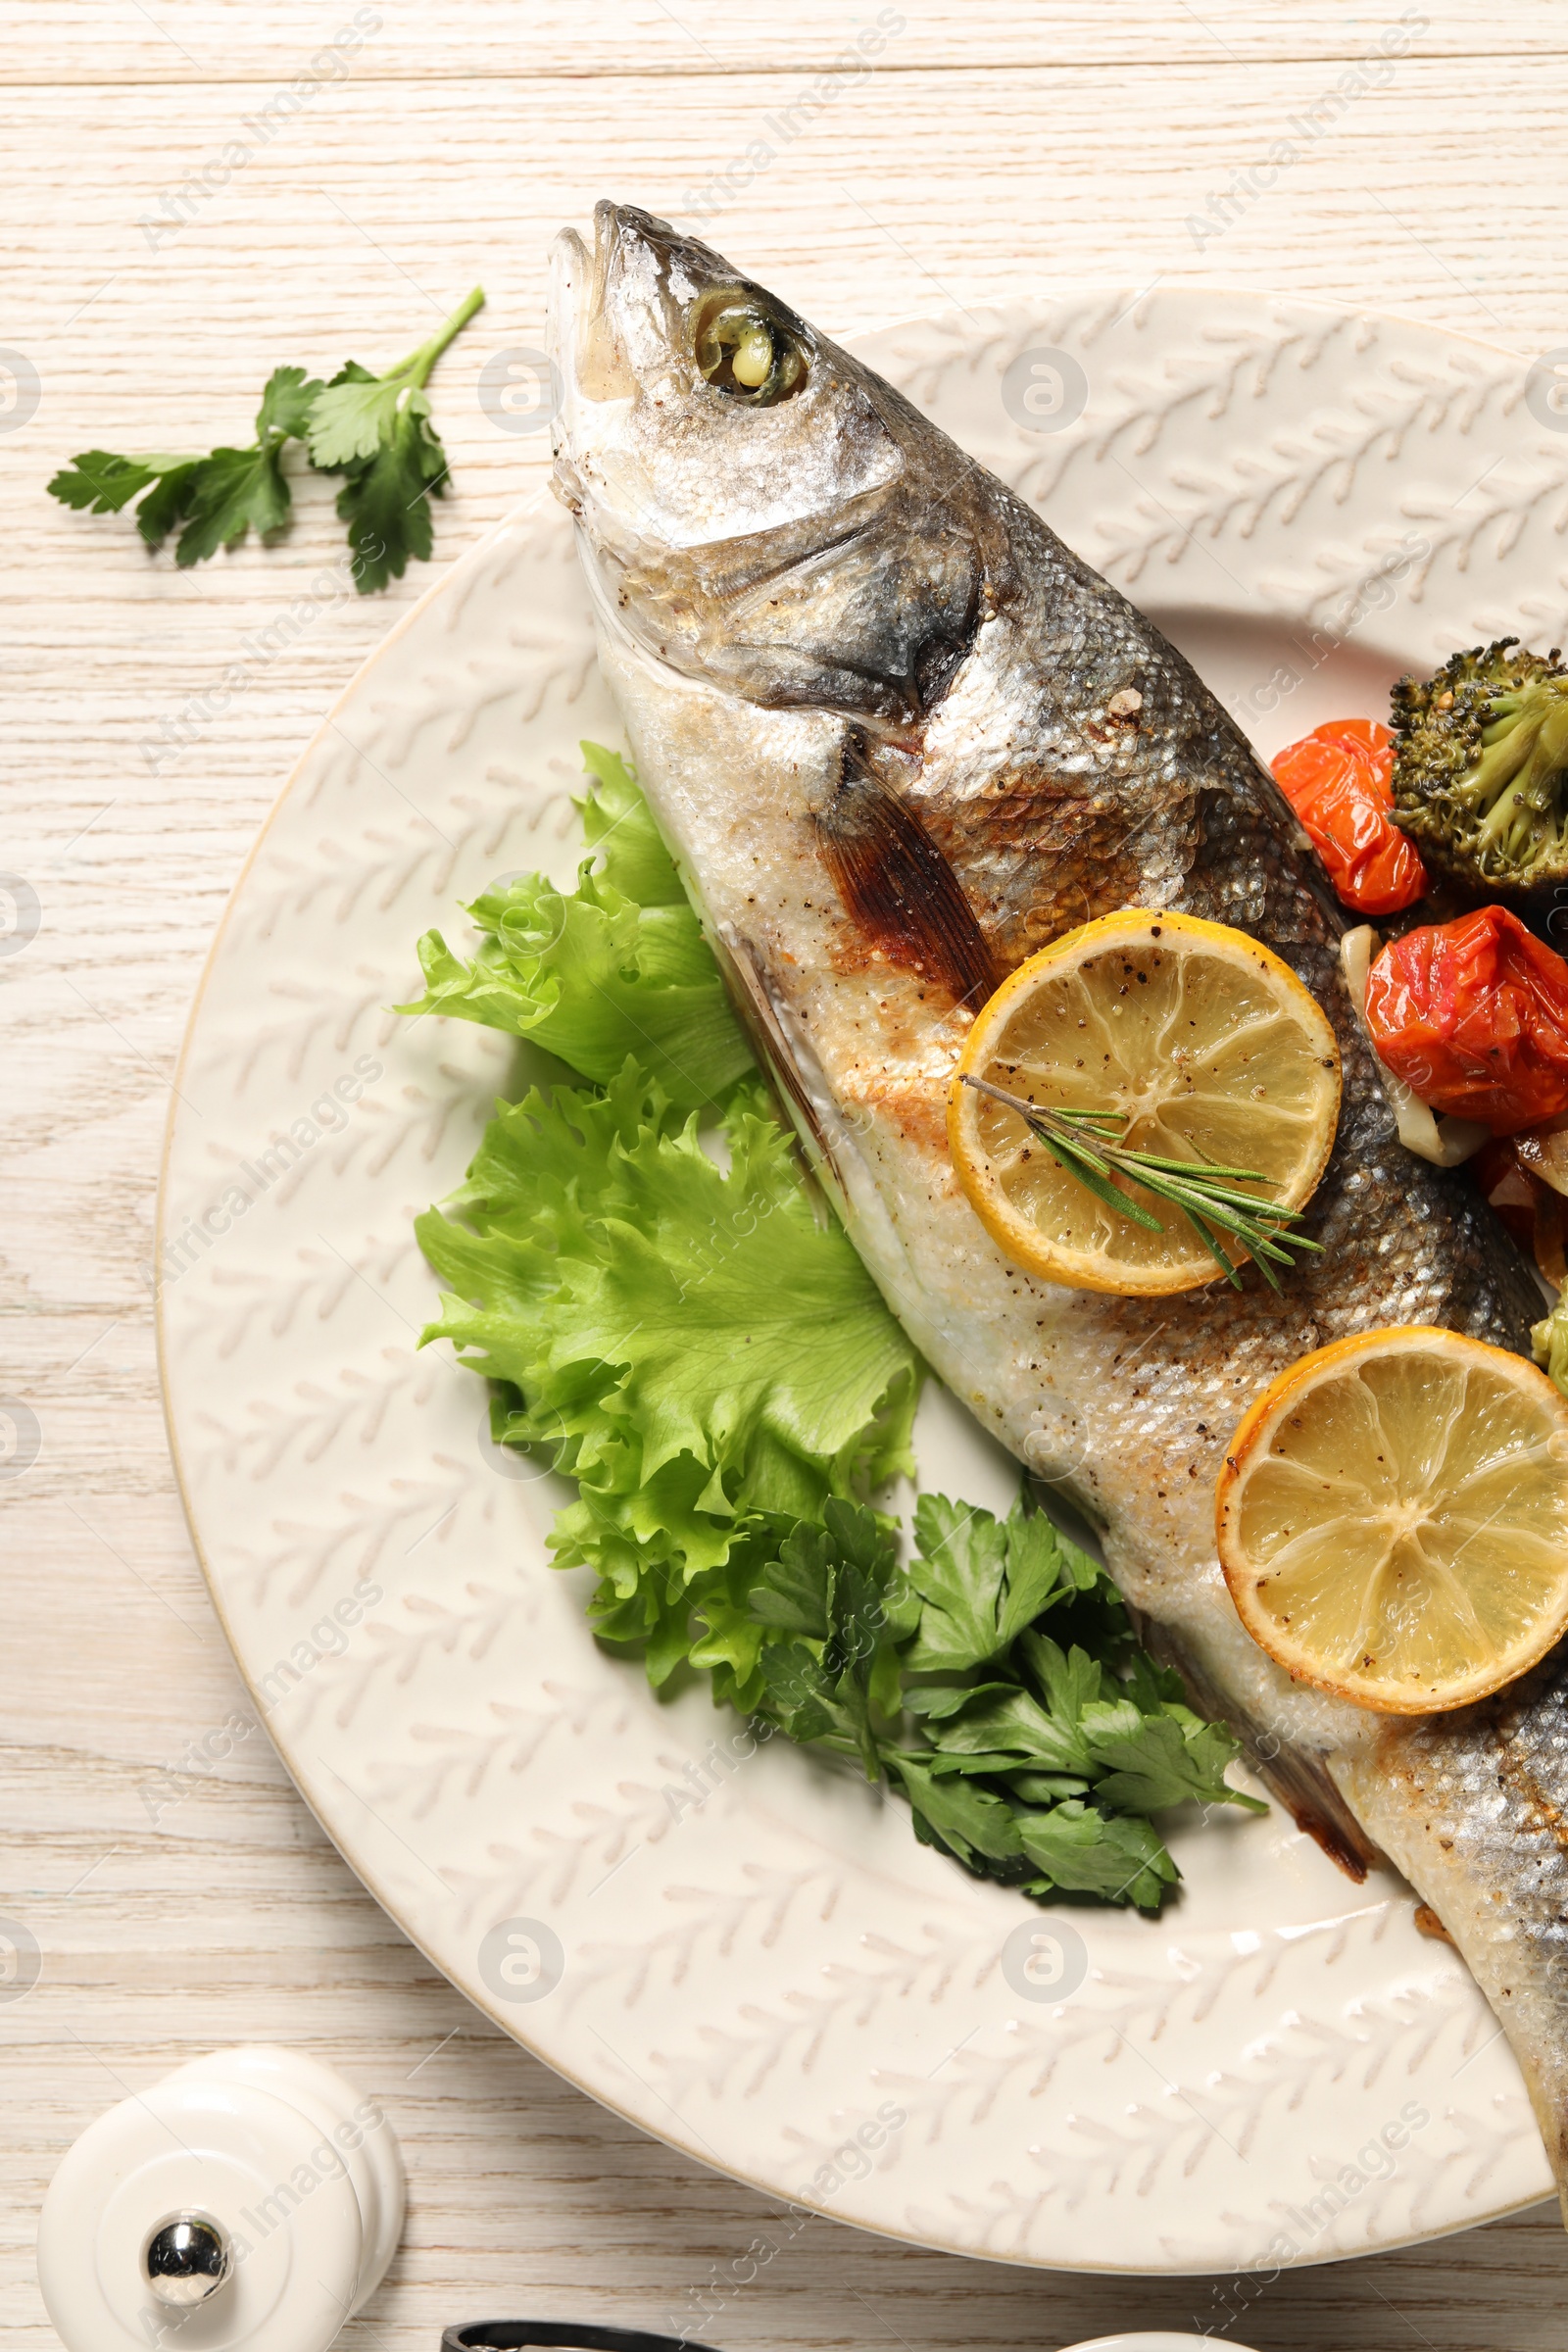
(898, 888)
(1303, 1788)
(776, 1051)
(1299, 1780)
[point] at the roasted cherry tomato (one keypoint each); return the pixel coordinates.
(1473, 1016)
(1339, 781)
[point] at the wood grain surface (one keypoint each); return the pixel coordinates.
(150, 287)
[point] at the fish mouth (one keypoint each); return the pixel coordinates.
(575, 319)
(581, 333)
(590, 370)
(576, 292)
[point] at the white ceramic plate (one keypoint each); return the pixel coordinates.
(751, 1956)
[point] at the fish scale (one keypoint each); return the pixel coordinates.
(899, 738)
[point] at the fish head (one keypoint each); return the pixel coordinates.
(694, 405)
(755, 507)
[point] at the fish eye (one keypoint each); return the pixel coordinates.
(744, 351)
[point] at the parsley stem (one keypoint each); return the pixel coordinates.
(416, 367)
(1209, 1196)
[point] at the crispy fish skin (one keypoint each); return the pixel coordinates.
(900, 737)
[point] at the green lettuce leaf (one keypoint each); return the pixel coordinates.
(618, 827)
(698, 1346)
(617, 967)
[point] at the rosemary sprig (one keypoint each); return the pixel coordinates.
(1087, 1145)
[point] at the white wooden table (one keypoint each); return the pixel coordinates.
(1000, 143)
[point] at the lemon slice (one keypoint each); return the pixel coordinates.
(1205, 1040)
(1393, 1519)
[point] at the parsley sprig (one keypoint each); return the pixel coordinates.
(374, 430)
(1030, 1759)
(1087, 1145)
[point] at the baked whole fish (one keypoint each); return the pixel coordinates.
(900, 737)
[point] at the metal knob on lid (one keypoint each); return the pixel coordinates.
(250, 2202)
(186, 2260)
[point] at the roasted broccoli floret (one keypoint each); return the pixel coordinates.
(1480, 770)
